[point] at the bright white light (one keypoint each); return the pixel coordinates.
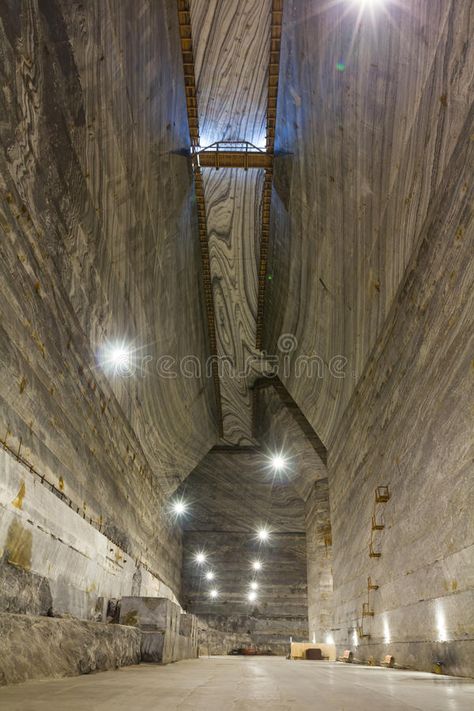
(200, 558)
(278, 463)
(117, 358)
(253, 585)
(210, 575)
(263, 534)
(206, 141)
(329, 639)
(368, 3)
(314, 637)
(213, 593)
(252, 596)
(386, 631)
(179, 507)
(256, 565)
(355, 638)
(441, 623)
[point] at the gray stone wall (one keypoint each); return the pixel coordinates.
(319, 555)
(409, 426)
(92, 200)
(53, 561)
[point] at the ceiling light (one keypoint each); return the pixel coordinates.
(252, 596)
(200, 558)
(210, 575)
(263, 534)
(368, 3)
(278, 462)
(117, 358)
(256, 565)
(253, 585)
(179, 507)
(213, 593)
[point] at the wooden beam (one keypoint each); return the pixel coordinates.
(184, 19)
(272, 95)
(234, 159)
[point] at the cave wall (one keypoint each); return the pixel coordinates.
(409, 427)
(54, 562)
(98, 242)
(370, 110)
(319, 558)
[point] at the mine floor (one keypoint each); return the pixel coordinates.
(225, 683)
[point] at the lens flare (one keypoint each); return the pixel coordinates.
(179, 507)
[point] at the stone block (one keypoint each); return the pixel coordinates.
(150, 613)
(40, 647)
(154, 614)
(152, 645)
(188, 636)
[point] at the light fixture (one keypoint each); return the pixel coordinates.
(329, 639)
(368, 3)
(200, 558)
(256, 565)
(263, 534)
(117, 358)
(441, 622)
(179, 507)
(213, 593)
(252, 596)
(278, 462)
(386, 631)
(253, 585)
(210, 575)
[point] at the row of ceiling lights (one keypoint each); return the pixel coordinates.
(201, 558)
(278, 462)
(180, 507)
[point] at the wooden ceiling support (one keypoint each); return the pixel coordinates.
(272, 98)
(234, 159)
(184, 20)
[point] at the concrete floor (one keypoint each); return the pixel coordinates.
(225, 683)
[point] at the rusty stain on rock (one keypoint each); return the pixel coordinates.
(18, 500)
(19, 545)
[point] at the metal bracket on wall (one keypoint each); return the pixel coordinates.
(371, 585)
(372, 553)
(361, 634)
(366, 611)
(377, 525)
(382, 494)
